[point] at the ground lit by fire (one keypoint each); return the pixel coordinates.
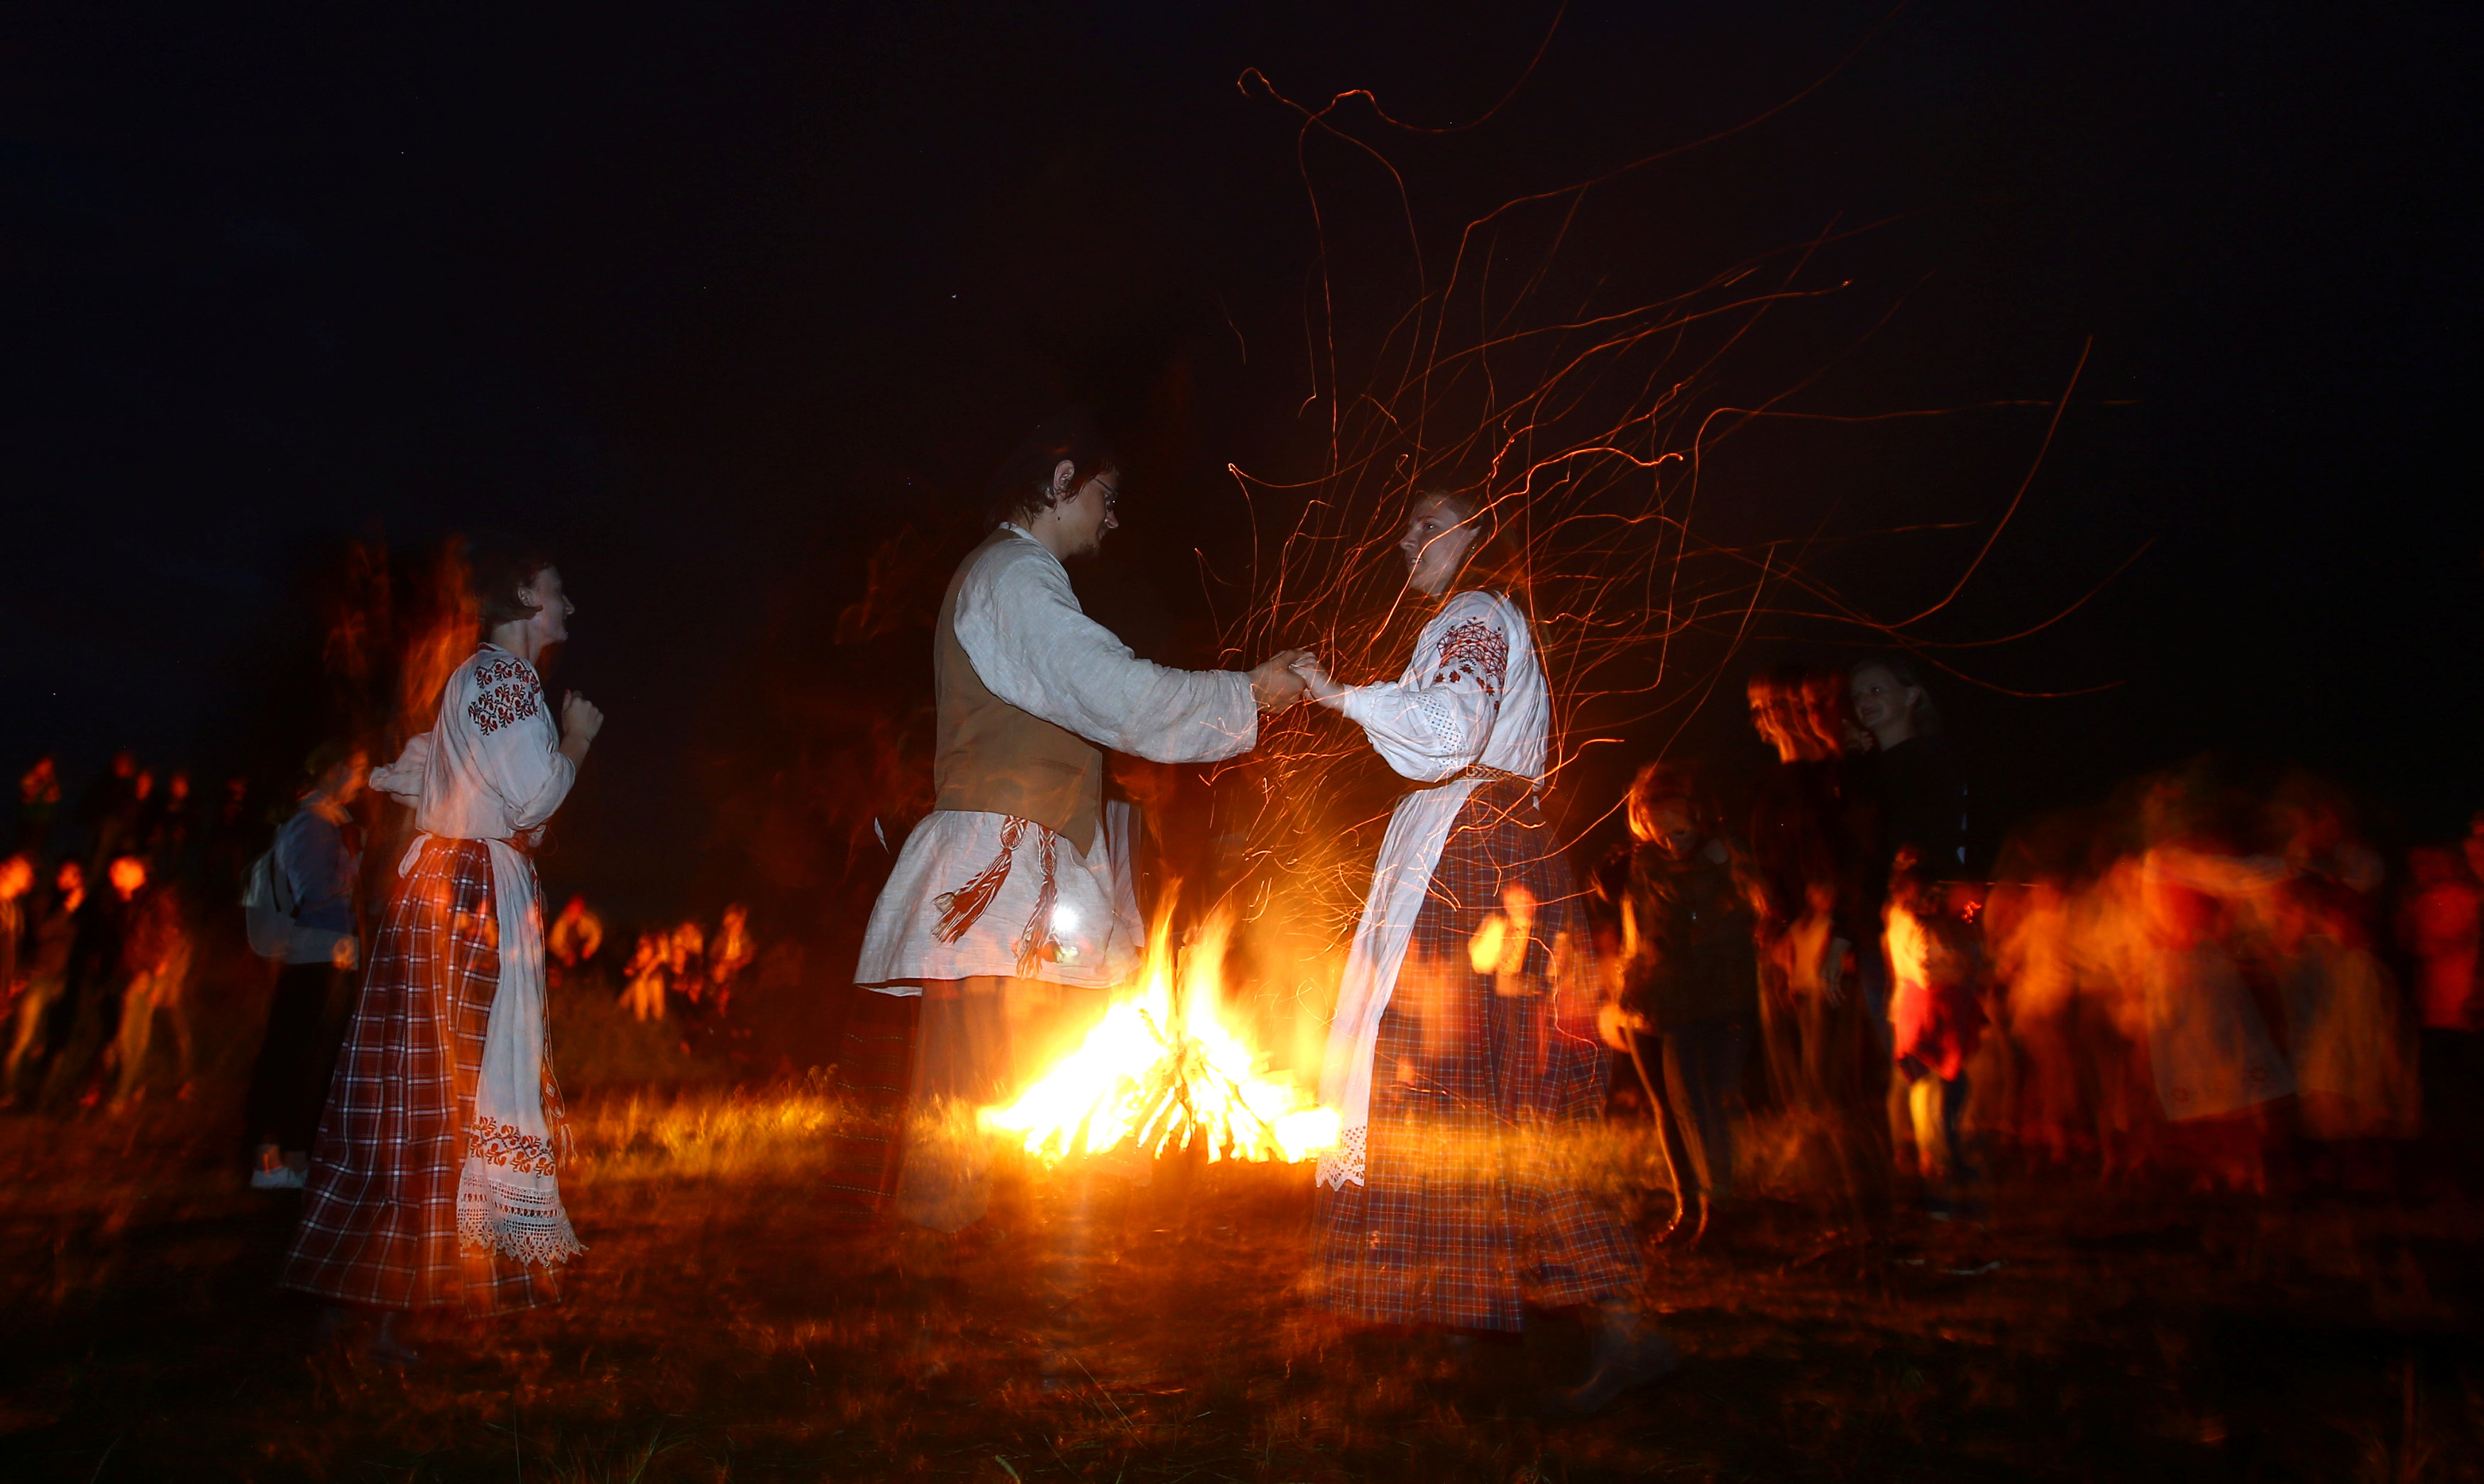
(723, 1329)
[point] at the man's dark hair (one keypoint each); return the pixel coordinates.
(1023, 487)
(497, 566)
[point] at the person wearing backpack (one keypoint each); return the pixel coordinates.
(300, 905)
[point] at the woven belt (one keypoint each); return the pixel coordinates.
(1483, 774)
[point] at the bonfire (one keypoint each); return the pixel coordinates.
(1163, 1070)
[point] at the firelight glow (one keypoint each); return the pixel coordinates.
(1163, 1069)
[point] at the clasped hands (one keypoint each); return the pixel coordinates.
(1287, 676)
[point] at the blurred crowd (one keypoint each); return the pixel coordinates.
(1833, 978)
(1837, 982)
(99, 918)
(687, 971)
(116, 912)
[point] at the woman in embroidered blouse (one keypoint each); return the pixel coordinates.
(434, 1180)
(1465, 1030)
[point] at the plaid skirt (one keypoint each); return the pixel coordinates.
(1466, 1212)
(379, 1224)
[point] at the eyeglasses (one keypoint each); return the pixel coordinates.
(1112, 497)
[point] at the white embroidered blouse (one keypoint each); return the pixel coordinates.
(491, 768)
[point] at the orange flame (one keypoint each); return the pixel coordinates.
(1162, 1070)
(444, 634)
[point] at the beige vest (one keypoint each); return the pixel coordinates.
(997, 759)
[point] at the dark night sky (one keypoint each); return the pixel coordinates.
(715, 297)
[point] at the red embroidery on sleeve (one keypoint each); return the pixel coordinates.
(491, 672)
(1476, 650)
(509, 692)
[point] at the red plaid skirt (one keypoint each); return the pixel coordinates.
(1464, 1216)
(379, 1228)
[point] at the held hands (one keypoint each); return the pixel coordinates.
(1274, 684)
(1315, 679)
(580, 721)
(346, 954)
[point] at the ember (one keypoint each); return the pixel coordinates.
(1163, 1070)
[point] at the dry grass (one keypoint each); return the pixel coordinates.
(721, 1328)
(658, 1138)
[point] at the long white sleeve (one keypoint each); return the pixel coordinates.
(495, 769)
(1441, 716)
(1020, 625)
(402, 779)
(515, 751)
(533, 780)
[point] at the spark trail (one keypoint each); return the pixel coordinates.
(1544, 366)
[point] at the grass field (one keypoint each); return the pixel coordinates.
(721, 1328)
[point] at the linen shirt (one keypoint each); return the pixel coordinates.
(1032, 645)
(491, 768)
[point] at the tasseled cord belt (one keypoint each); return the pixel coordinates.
(960, 908)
